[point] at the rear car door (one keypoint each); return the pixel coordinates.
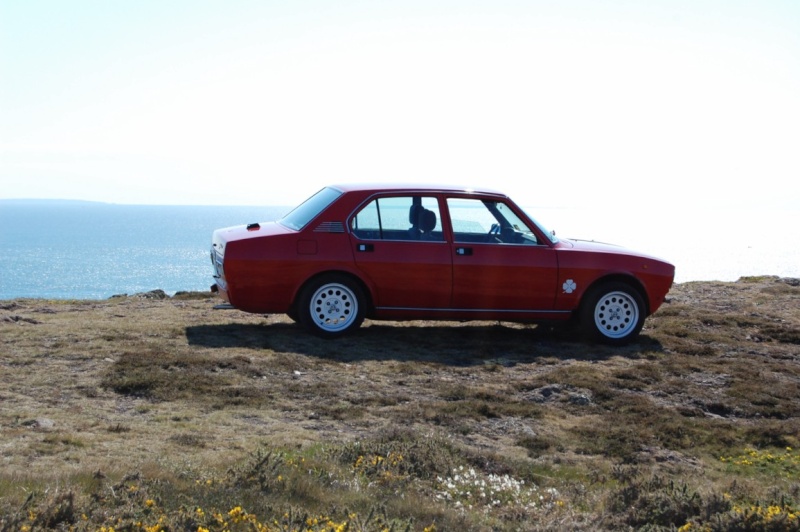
(400, 249)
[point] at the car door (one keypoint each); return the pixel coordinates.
(498, 261)
(400, 249)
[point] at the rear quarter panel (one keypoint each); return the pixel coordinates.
(265, 274)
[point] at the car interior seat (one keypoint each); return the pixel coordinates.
(415, 218)
(427, 224)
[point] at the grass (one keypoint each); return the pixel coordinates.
(138, 414)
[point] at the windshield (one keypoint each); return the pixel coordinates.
(309, 209)
(551, 235)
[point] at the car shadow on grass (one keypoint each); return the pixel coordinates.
(458, 344)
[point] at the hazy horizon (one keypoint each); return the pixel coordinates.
(97, 249)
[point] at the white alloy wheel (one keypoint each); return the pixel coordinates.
(616, 314)
(333, 308)
(613, 313)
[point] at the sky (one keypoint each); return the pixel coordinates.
(678, 104)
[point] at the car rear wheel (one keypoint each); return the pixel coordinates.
(613, 313)
(331, 306)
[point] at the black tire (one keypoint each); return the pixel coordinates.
(612, 313)
(331, 306)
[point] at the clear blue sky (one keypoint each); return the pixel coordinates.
(676, 103)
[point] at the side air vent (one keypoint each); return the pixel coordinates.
(330, 227)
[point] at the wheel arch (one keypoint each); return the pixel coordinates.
(365, 289)
(621, 278)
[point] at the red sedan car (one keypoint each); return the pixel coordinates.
(384, 252)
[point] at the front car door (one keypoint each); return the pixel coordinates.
(500, 264)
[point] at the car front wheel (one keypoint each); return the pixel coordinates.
(331, 306)
(613, 313)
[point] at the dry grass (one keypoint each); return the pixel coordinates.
(132, 410)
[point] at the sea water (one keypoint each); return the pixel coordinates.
(78, 250)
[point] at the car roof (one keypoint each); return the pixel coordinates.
(414, 187)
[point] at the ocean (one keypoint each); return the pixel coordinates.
(84, 250)
(78, 250)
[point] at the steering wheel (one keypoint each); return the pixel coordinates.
(493, 234)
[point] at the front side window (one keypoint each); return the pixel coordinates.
(399, 218)
(476, 221)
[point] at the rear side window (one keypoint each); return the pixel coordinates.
(310, 209)
(399, 218)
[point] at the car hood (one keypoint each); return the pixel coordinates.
(601, 247)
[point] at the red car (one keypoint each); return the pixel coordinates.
(384, 252)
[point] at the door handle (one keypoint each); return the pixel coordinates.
(464, 251)
(365, 248)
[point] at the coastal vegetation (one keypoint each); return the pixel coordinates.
(155, 413)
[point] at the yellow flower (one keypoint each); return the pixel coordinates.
(237, 514)
(149, 503)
